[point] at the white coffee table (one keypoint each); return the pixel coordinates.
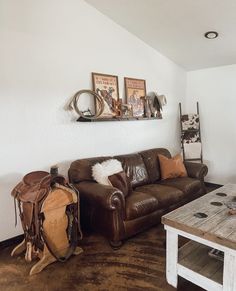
(217, 230)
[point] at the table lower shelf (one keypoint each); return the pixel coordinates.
(194, 261)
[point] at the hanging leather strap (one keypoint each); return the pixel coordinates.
(15, 211)
(78, 210)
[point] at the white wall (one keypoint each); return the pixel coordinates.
(48, 50)
(215, 90)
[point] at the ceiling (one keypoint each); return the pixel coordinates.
(176, 28)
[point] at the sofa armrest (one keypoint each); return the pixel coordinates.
(196, 170)
(106, 197)
(102, 210)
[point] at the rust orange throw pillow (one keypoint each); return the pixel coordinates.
(172, 168)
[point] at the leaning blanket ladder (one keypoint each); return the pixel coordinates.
(191, 136)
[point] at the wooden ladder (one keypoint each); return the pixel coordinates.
(190, 130)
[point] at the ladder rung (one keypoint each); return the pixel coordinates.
(190, 130)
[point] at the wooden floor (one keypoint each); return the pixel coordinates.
(138, 265)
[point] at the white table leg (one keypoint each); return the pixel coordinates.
(171, 257)
(229, 275)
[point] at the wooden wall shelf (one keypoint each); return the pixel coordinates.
(81, 119)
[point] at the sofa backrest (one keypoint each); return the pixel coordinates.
(151, 161)
(81, 170)
(135, 169)
(141, 168)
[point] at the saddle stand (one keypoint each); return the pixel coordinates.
(49, 211)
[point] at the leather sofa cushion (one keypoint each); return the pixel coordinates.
(121, 182)
(81, 170)
(172, 168)
(139, 204)
(135, 169)
(151, 161)
(165, 195)
(188, 185)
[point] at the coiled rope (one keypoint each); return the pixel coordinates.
(98, 101)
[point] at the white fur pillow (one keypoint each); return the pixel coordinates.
(100, 172)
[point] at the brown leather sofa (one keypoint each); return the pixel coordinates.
(106, 210)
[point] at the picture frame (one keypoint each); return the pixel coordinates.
(135, 90)
(107, 87)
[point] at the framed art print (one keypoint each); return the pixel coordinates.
(135, 90)
(107, 87)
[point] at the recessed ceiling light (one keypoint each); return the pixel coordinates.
(211, 34)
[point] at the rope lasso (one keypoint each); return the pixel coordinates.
(98, 100)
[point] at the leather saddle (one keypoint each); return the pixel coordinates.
(30, 194)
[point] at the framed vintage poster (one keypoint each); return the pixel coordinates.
(135, 89)
(107, 87)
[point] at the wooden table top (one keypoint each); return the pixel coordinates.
(218, 226)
